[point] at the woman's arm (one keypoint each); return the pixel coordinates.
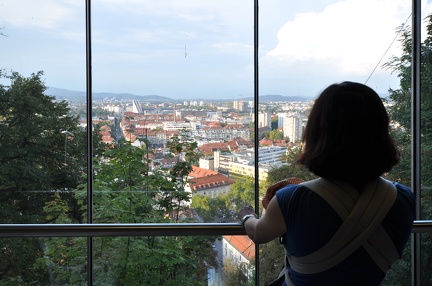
(270, 226)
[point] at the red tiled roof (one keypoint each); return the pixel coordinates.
(209, 182)
(234, 126)
(105, 128)
(198, 172)
(269, 142)
(243, 244)
(107, 139)
(232, 145)
(201, 179)
(214, 124)
(209, 148)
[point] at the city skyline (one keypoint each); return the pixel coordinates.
(195, 49)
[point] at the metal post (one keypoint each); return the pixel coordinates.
(415, 134)
(89, 141)
(256, 127)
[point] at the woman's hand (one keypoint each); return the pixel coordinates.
(246, 213)
(270, 226)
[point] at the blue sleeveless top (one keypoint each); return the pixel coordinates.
(311, 222)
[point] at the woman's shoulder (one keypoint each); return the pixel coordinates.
(401, 187)
(404, 191)
(289, 190)
(294, 194)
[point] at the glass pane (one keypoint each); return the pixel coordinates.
(426, 141)
(426, 114)
(43, 261)
(401, 115)
(305, 47)
(42, 145)
(156, 260)
(170, 73)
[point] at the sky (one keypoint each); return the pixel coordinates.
(199, 49)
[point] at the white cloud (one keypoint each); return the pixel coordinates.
(318, 42)
(346, 40)
(346, 37)
(29, 13)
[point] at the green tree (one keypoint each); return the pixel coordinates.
(400, 114)
(214, 209)
(187, 154)
(290, 169)
(204, 207)
(265, 134)
(276, 134)
(241, 193)
(32, 137)
(126, 192)
(274, 123)
(271, 261)
(35, 164)
(99, 112)
(236, 275)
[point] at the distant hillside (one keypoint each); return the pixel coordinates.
(73, 95)
(273, 98)
(80, 96)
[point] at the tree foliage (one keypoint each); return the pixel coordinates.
(33, 165)
(276, 134)
(43, 154)
(290, 169)
(125, 191)
(32, 139)
(400, 113)
(242, 193)
(236, 274)
(42, 180)
(271, 261)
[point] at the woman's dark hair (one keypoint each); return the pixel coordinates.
(347, 135)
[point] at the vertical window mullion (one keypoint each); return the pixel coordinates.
(256, 137)
(415, 133)
(89, 141)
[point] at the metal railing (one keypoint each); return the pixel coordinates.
(152, 229)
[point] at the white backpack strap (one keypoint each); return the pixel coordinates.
(362, 216)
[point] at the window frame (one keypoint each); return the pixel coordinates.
(91, 230)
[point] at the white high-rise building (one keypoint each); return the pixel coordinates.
(281, 116)
(293, 127)
(240, 105)
(264, 120)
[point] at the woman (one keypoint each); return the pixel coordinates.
(350, 225)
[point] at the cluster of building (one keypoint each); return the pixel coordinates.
(223, 135)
